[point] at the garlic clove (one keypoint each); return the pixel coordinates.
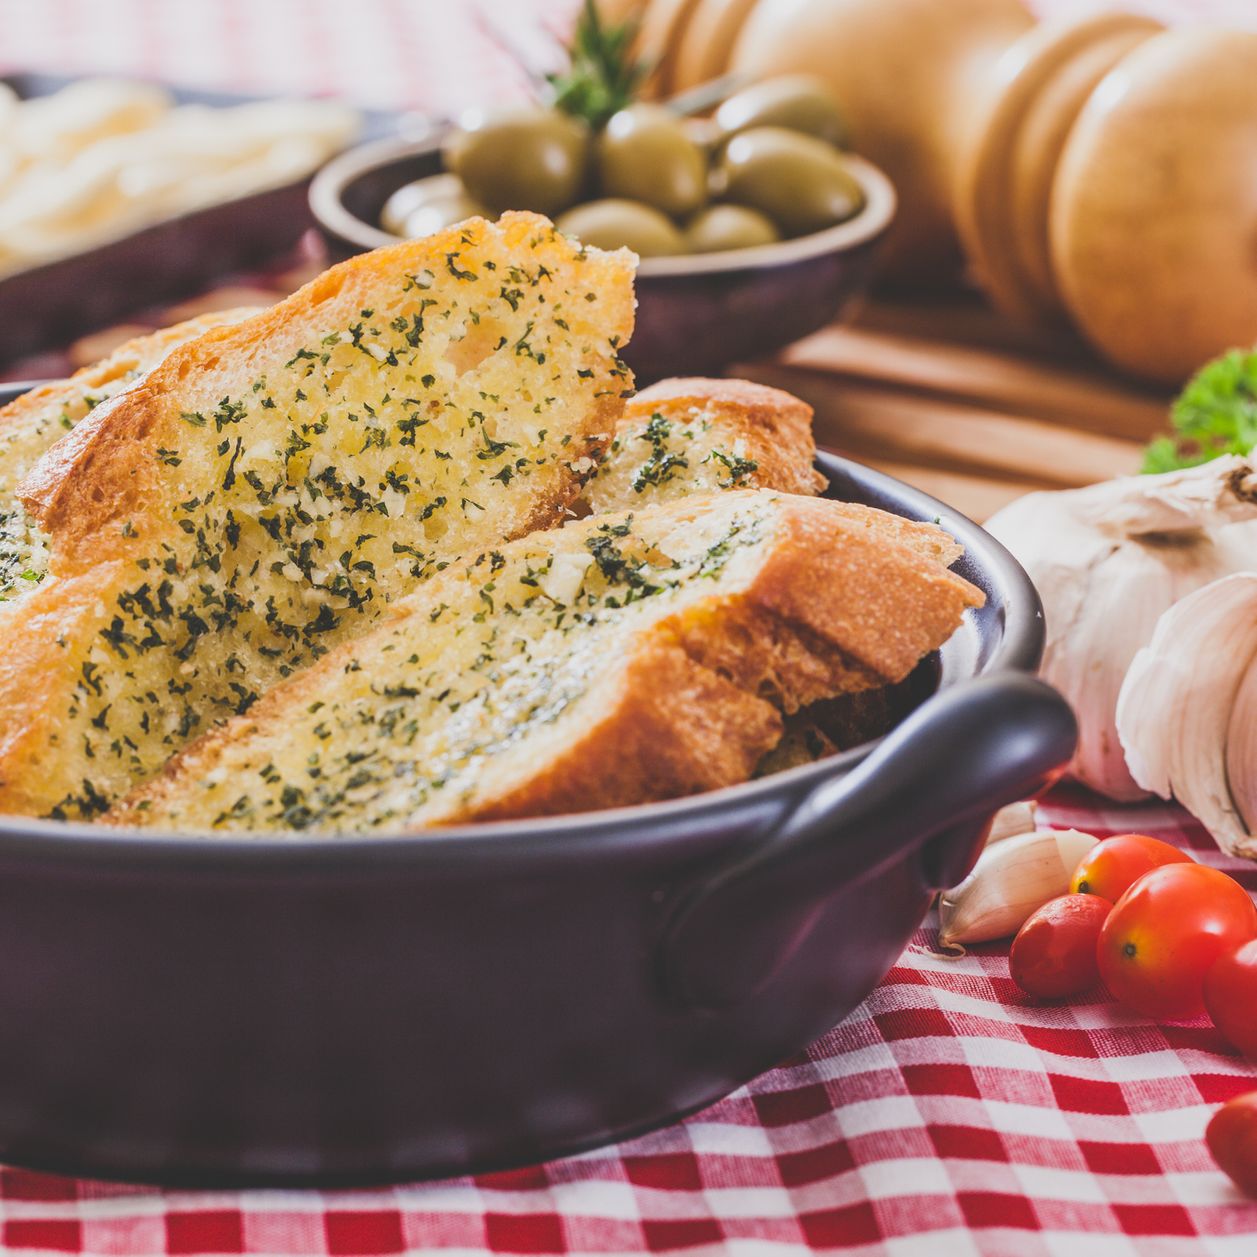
(1125, 596)
(1179, 702)
(1222, 491)
(1241, 750)
(1008, 822)
(1009, 881)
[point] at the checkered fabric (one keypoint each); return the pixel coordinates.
(948, 1116)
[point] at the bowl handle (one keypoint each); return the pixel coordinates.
(930, 788)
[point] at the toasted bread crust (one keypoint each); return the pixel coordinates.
(676, 728)
(140, 354)
(875, 586)
(97, 475)
(31, 746)
(695, 704)
(104, 472)
(34, 422)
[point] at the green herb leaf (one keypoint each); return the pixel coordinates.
(603, 77)
(1215, 414)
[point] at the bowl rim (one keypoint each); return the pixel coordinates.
(327, 204)
(643, 824)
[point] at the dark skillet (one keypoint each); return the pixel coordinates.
(293, 1011)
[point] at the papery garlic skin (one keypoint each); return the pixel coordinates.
(1107, 561)
(1010, 880)
(1241, 760)
(1186, 710)
(1014, 819)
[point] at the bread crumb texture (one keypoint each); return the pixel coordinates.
(620, 659)
(695, 435)
(32, 424)
(271, 488)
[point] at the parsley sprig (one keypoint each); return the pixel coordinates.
(1215, 414)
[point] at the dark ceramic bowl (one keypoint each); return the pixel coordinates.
(305, 1011)
(695, 314)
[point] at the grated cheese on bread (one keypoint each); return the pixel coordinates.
(271, 488)
(696, 435)
(621, 659)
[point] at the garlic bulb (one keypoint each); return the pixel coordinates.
(1187, 713)
(1107, 560)
(1010, 880)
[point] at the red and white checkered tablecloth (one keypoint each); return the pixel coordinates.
(947, 1117)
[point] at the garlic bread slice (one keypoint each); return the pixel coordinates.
(271, 488)
(34, 422)
(621, 659)
(695, 435)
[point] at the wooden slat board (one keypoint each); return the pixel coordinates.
(958, 401)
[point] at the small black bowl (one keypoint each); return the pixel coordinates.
(695, 314)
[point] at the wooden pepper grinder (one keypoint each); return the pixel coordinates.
(1006, 165)
(909, 74)
(1153, 221)
(1112, 178)
(1102, 171)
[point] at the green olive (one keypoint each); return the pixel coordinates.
(798, 102)
(644, 154)
(532, 159)
(800, 182)
(614, 223)
(403, 210)
(721, 227)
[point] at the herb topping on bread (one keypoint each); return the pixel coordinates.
(696, 435)
(621, 659)
(32, 424)
(271, 488)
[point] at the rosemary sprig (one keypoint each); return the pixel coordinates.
(603, 76)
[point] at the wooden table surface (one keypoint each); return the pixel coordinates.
(952, 398)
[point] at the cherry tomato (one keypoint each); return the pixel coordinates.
(1166, 931)
(1113, 866)
(1231, 996)
(1232, 1139)
(1054, 953)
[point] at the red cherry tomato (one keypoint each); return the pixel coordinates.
(1054, 953)
(1166, 931)
(1232, 1139)
(1231, 996)
(1113, 866)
